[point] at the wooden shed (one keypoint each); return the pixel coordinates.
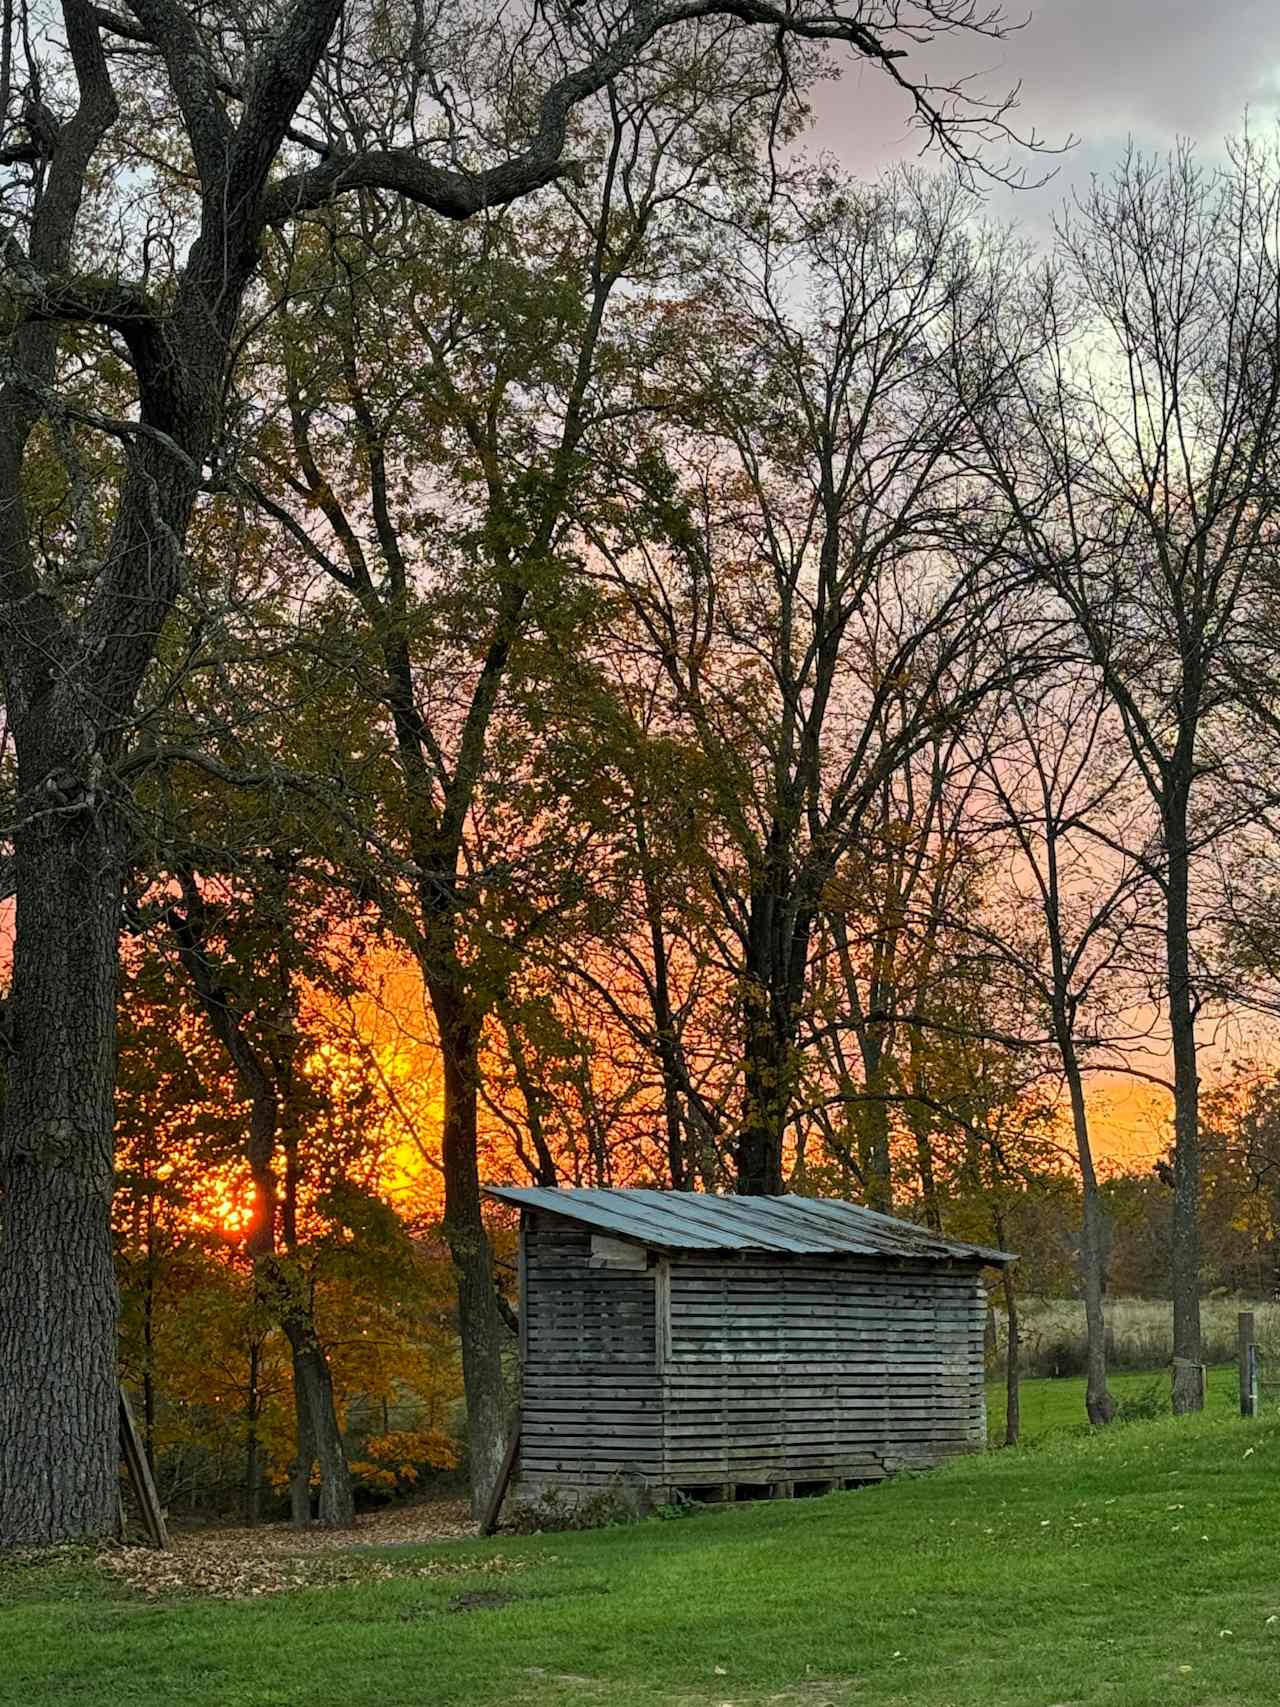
(675, 1343)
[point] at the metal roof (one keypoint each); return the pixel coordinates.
(786, 1226)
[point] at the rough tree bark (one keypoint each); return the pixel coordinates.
(485, 1336)
(59, 1395)
(779, 929)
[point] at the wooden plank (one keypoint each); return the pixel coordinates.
(523, 1283)
(765, 1371)
(662, 1313)
(140, 1475)
(489, 1519)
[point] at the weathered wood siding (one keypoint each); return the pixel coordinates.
(591, 1394)
(702, 1370)
(809, 1370)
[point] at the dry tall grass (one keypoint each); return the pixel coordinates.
(1139, 1334)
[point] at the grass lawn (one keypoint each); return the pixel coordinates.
(1135, 1568)
(1048, 1407)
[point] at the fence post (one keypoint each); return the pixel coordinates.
(1248, 1356)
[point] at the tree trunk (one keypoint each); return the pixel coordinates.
(281, 1291)
(315, 1409)
(483, 1332)
(319, 1437)
(877, 1159)
(663, 1016)
(59, 1390)
(773, 980)
(252, 1457)
(1013, 1347)
(765, 1096)
(920, 1120)
(304, 1457)
(1188, 1394)
(1099, 1404)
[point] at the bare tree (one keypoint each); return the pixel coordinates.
(887, 920)
(1060, 781)
(797, 567)
(1134, 451)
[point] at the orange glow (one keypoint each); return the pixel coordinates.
(1130, 1121)
(232, 1212)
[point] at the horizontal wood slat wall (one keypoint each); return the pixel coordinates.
(591, 1401)
(712, 1370)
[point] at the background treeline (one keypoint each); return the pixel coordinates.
(700, 672)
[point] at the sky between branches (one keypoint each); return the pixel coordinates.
(1106, 72)
(1101, 70)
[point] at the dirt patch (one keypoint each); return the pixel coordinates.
(482, 1600)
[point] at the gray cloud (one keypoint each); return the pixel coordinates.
(1103, 70)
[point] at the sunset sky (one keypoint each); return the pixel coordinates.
(1150, 71)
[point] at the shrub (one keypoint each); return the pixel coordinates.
(392, 1463)
(1145, 1406)
(555, 1510)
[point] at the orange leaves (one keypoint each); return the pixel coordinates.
(394, 1461)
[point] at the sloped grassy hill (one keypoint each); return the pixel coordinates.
(1142, 1567)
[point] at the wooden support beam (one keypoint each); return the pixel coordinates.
(144, 1486)
(489, 1521)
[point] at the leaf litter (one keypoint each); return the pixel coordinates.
(245, 1563)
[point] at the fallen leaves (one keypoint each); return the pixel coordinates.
(191, 1569)
(239, 1564)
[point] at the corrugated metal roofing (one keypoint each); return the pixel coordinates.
(791, 1226)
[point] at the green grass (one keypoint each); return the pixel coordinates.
(1049, 1407)
(1134, 1568)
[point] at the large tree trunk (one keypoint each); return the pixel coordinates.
(484, 1334)
(766, 1072)
(59, 1393)
(319, 1437)
(773, 982)
(304, 1457)
(1188, 1392)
